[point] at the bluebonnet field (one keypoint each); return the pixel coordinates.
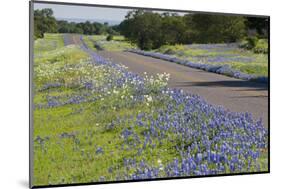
(226, 59)
(96, 121)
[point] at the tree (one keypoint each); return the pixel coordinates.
(172, 29)
(142, 28)
(259, 24)
(150, 30)
(218, 28)
(44, 21)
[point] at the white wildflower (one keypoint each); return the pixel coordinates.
(149, 99)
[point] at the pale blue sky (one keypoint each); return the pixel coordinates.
(100, 14)
(83, 12)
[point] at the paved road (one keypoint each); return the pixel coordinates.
(234, 94)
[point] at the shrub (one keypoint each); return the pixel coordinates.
(255, 44)
(252, 41)
(261, 46)
(243, 44)
(109, 37)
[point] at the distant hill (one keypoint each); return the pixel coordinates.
(77, 20)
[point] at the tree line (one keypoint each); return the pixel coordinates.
(150, 30)
(45, 22)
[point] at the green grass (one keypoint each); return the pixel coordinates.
(73, 159)
(119, 43)
(48, 43)
(239, 59)
(76, 158)
(89, 42)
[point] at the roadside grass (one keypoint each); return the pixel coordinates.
(261, 46)
(221, 54)
(75, 159)
(49, 42)
(118, 43)
(67, 137)
(48, 66)
(89, 42)
(95, 121)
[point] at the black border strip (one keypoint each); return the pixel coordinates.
(127, 181)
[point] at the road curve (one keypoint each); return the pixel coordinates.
(234, 94)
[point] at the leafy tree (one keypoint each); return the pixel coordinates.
(150, 30)
(259, 24)
(218, 28)
(142, 28)
(172, 29)
(44, 21)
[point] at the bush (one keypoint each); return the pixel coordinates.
(109, 37)
(252, 41)
(255, 44)
(243, 44)
(261, 46)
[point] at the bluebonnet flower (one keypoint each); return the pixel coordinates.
(99, 150)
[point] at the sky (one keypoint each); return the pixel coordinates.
(79, 13)
(71, 12)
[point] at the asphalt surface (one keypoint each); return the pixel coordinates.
(234, 94)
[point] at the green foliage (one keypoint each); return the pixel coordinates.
(109, 37)
(150, 30)
(258, 24)
(217, 28)
(142, 28)
(69, 27)
(172, 28)
(44, 22)
(255, 44)
(252, 41)
(86, 28)
(261, 46)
